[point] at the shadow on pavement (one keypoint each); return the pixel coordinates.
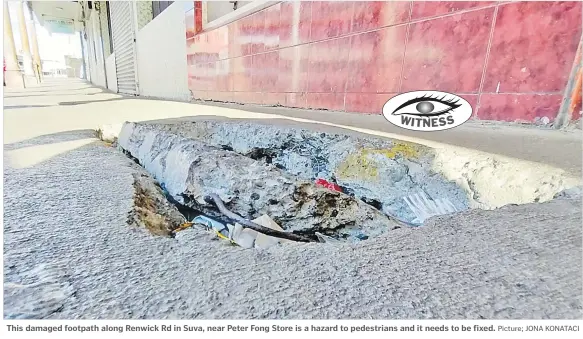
(67, 103)
(36, 151)
(52, 138)
(73, 103)
(51, 93)
(25, 106)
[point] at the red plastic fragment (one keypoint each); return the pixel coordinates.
(326, 184)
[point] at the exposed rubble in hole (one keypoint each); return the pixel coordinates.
(190, 169)
(380, 172)
(259, 169)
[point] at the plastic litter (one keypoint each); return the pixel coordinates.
(264, 241)
(248, 238)
(183, 226)
(213, 224)
(329, 185)
(243, 237)
(221, 236)
(424, 207)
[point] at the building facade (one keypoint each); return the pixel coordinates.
(513, 61)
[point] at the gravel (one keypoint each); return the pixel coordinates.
(69, 254)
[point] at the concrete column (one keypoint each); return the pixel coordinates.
(12, 77)
(83, 56)
(98, 13)
(204, 13)
(35, 51)
(26, 55)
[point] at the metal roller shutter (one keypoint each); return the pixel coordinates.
(122, 29)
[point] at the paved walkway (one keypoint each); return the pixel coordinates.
(68, 252)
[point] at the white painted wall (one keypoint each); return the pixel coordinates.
(111, 73)
(95, 51)
(161, 54)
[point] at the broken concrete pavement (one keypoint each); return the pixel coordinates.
(190, 170)
(518, 262)
(262, 169)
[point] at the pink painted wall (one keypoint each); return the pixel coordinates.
(510, 60)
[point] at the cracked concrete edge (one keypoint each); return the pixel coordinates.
(111, 132)
(494, 181)
(490, 180)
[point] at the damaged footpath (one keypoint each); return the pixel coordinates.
(258, 185)
(189, 171)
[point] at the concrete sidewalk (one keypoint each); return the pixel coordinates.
(60, 105)
(70, 254)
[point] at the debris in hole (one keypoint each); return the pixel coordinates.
(151, 209)
(264, 241)
(248, 238)
(373, 168)
(243, 237)
(329, 185)
(212, 224)
(197, 170)
(187, 212)
(327, 239)
(216, 200)
(425, 208)
(373, 202)
(358, 235)
(184, 226)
